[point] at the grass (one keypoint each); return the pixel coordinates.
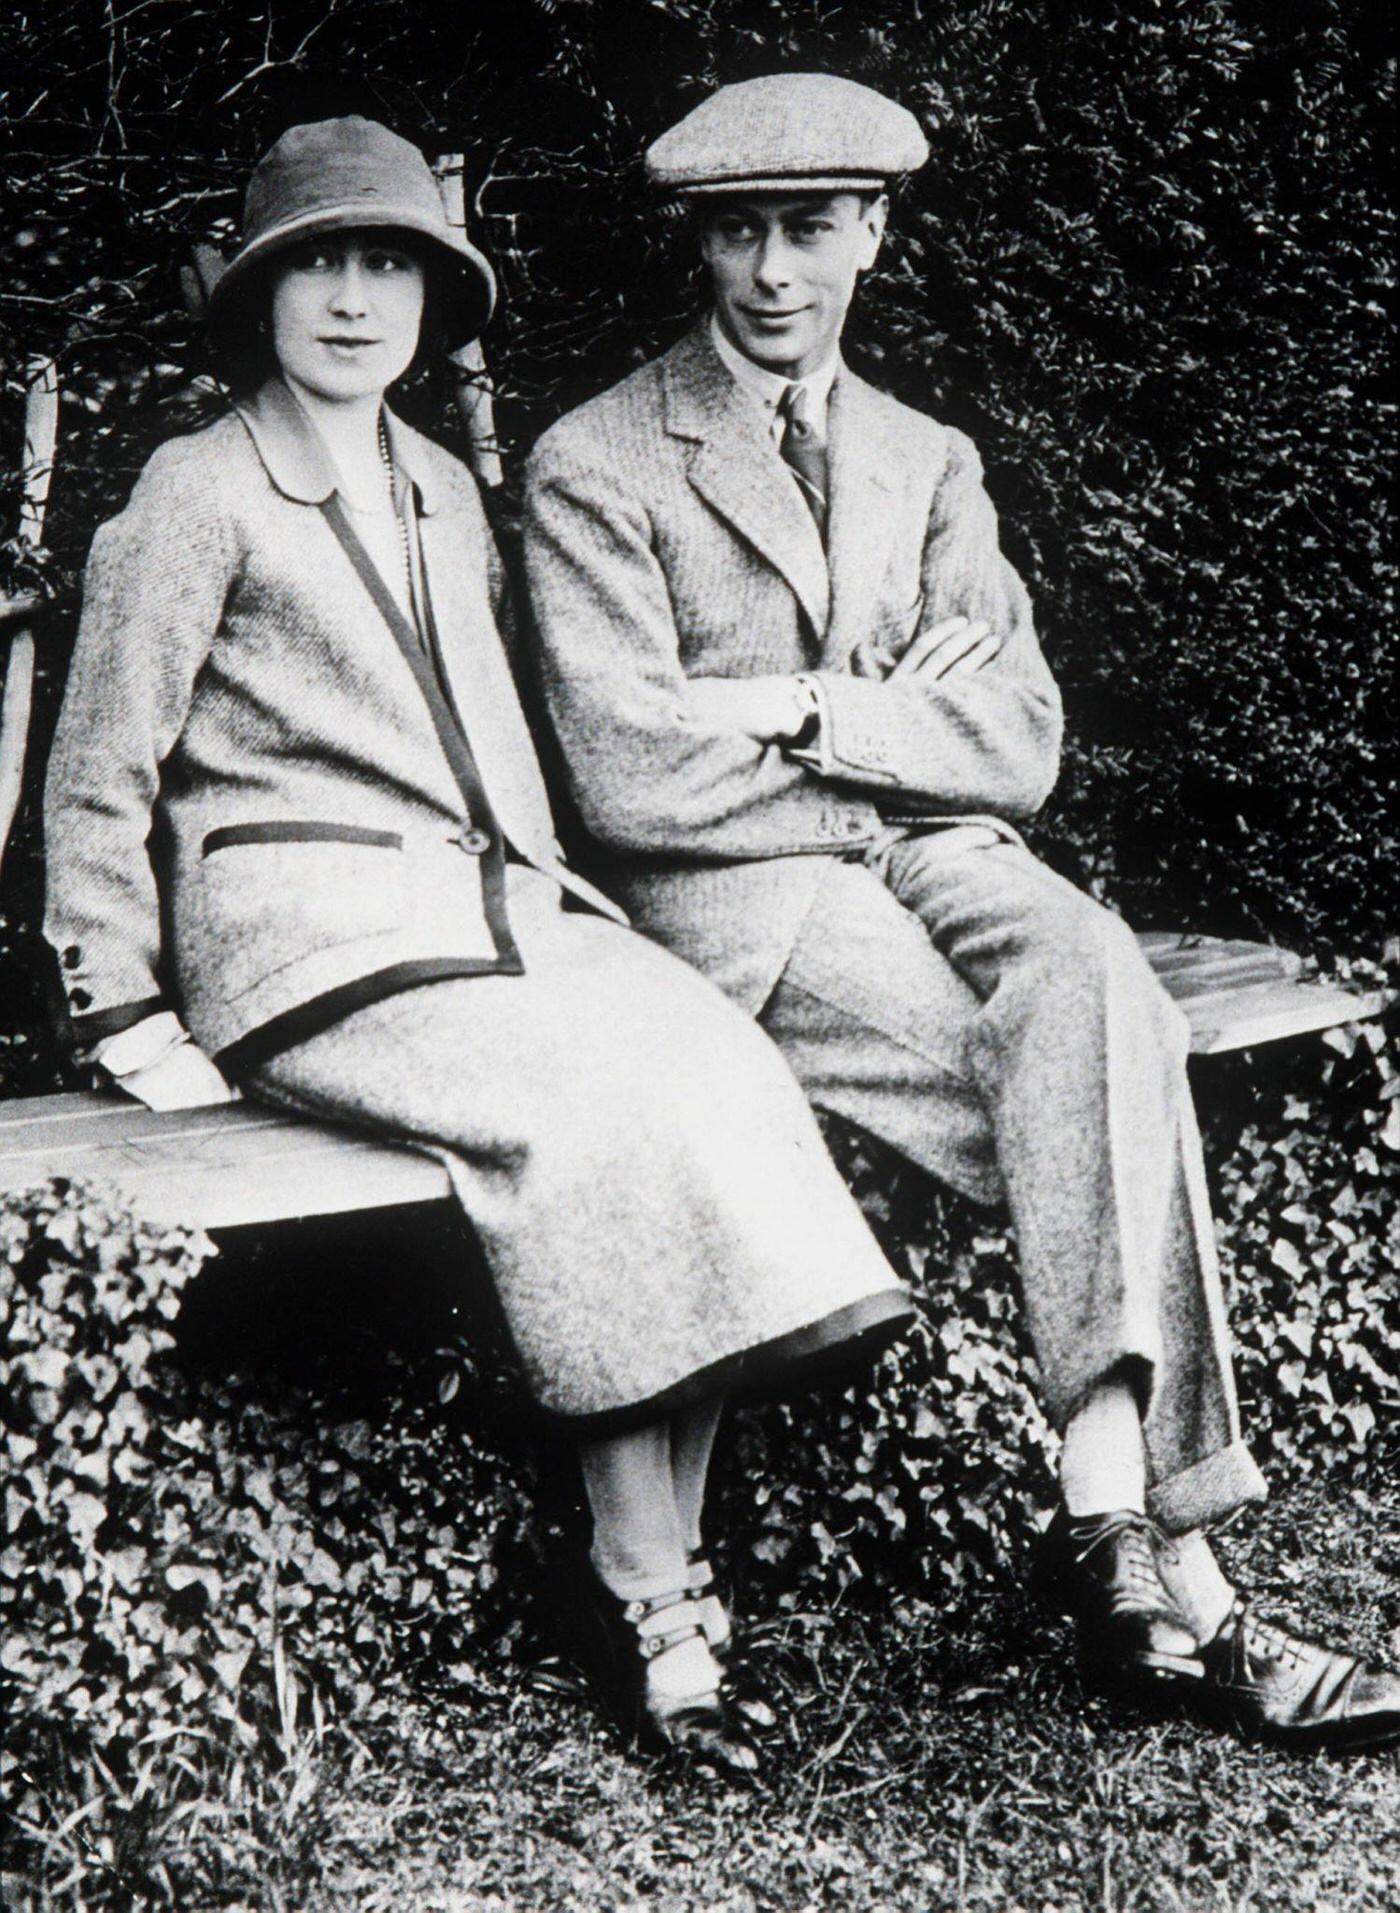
(927, 1760)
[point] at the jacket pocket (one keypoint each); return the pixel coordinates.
(281, 831)
(267, 896)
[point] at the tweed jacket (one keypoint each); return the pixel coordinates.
(665, 540)
(260, 805)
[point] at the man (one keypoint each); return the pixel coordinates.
(801, 701)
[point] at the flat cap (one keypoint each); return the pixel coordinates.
(788, 132)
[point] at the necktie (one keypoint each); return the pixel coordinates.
(804, 451)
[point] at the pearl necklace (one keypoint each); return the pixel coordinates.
(388, 463)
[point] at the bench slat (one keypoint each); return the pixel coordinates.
(1213, 977)
(236, 1163)
(48, 1122)
(229, 1164)
(1265, 1012)
(1168, 953)
(352, 1178)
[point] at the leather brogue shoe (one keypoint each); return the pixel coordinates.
(1273, 1685)
(1102, 1571)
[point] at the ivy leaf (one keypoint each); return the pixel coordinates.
(1290, 1377)
(126, 1566)
(1284, 1255)
(323, 1571)
(229, 1665)
(1300, 1333)
(182, 1575)
(84, 1514)
(48, 1367)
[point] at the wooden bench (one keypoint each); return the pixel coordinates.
(242, 1163)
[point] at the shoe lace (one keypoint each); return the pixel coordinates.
(1269, 1641)
(1139, 1560)
(1139, 1537)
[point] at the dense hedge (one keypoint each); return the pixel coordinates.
(194, 1542)
(1146, 268)
(197, 1549)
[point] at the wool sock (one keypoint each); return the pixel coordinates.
(1102, 1462)
(1194, 1579)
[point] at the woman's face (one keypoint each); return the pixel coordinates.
(346, 309)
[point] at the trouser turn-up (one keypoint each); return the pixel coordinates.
(1004, 1031)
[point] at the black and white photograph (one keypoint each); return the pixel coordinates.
(699, 957)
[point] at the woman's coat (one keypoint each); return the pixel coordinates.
(259, 802)
(650, 1189)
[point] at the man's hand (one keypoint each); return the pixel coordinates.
(953, 644)
(772, 710)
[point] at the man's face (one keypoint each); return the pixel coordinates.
(784, 266)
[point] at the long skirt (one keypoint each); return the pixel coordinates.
(654, 1200)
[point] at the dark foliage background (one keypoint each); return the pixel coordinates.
(1148, 269)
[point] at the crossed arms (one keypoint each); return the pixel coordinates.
(959, 717)
(773, 709)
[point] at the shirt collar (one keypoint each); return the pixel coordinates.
(768, 387)
(295, 457)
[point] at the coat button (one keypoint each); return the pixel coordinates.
(853, 826)
(79, 999)
(71, 957)
(474, 842)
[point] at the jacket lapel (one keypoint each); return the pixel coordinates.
(866, 461)
(738, 473)
(497, 768)
(298, 464)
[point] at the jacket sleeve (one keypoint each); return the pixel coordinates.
(648, 776)
(153, 597)
(987, 741)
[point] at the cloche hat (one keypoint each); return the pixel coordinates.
(788, 132)
(336, 174)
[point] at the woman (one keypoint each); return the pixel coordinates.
(298, 842)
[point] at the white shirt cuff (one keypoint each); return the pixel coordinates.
(141, 1045)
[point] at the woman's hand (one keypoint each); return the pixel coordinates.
(156, 1062)
(184, 1078)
